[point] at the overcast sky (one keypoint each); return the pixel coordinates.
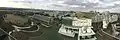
(77, 5)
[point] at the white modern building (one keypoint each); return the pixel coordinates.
(111, 18)
(105, 23)
(88, 34)
(81, 22)
(72, 26)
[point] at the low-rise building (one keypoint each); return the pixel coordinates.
(72, 25)
(88, 34)
(44, 20)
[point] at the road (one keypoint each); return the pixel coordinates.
(102, 34)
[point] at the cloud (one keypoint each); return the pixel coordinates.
(67, 4)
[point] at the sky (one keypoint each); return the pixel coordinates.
(68, 5)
